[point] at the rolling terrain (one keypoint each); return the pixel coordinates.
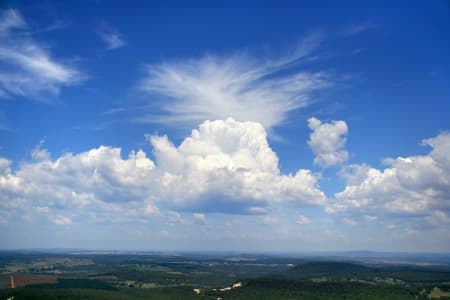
(86, 275)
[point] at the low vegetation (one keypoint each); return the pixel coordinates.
(163, 276)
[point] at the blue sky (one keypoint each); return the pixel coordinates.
(225, 126)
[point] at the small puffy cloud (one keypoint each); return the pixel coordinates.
(199, 216)
(369, 218)
(41, 209)
(150, 209)
(302, 220)
(223, 166)
(238, 86)
(258, 209)
(327, 141)
(391, 226)
(415, 186)
(174, 217)
(61, 220)
(39, 153)
(349, 222)
(111, 37)
(27, 68)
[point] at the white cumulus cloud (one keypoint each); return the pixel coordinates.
(223, 166)
(230, 163)
(327, 141)
(418, 186)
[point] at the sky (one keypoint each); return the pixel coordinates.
(268, 126)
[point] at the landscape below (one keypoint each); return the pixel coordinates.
(156, 275)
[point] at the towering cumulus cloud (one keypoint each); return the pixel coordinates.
(223, 166)
(230, 162)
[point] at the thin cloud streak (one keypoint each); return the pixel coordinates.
(26, 68)
(357, 28)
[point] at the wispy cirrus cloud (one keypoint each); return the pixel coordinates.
(357, 28)
(27, 68)
(238, 86)
(3, 120)
(11, 19)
